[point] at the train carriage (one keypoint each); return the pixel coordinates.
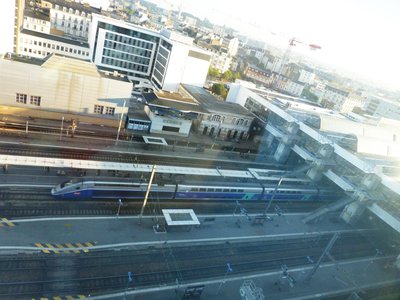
(91, 189)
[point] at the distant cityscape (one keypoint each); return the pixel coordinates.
(136, 47)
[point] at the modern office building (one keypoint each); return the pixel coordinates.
(166, 59)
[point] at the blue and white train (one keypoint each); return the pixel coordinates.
(90, 189)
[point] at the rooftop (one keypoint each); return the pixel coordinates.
(181, 104)
(56, 38)
(212, 104)
(23, 59)
(41, 14)
(75, 6)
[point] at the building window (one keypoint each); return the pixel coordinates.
(98, 109)
(110, 111)
(216, 118)
(21, 98)
(35, 100)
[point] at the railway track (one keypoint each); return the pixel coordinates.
(96, 272)
(51, 207)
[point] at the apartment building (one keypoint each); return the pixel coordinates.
(54, 26)
(333, 97)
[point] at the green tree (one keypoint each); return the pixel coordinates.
(213, 73)
(219, 89)
(227, 75)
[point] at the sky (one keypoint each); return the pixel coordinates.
(358, 36)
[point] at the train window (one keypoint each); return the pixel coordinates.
(202, 190)
(78, 188)
(226, 190)
(240, 191)
(233, 191)
(218, 190)
(210, 190)
(194, 189)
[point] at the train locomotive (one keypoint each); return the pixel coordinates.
(81, 189)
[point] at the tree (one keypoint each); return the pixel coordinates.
(219, 89)
(213, 73)
(227, 75)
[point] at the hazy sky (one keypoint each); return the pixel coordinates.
(359, 35)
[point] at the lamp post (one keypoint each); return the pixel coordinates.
(119, 206)
(130, 279)
(120, 122)
(216, 134)
(229, 270)
(62, 126)
(26, 127)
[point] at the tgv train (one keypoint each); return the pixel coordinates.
(89, 189)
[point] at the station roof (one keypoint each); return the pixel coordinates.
(127, 167)
(180, 217)
(212, 104)
(56, 38)
(180, 104)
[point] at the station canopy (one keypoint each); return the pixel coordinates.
(180, 217)
(154, 140)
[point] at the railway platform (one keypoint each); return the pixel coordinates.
(132, 231)
(83, 235)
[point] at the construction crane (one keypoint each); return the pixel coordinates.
(292, 42)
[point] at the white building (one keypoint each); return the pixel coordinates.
(186, 63)
(306, 76)
(333, 98)
(70, 18)
(39, 45)
(221, 61)
(352, 101)
(166, 58)
(37, 87)
(366, 136)
(55, 26)
(291, 87)
(381, 107)
(231, 44)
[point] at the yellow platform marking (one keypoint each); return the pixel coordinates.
(81, 296)
(52, 247)
(57, 298)
(8, 222)
(71, 247)
(69, 298)
(41, 246)
(89, 244)
(63, 248)
(81, 246)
